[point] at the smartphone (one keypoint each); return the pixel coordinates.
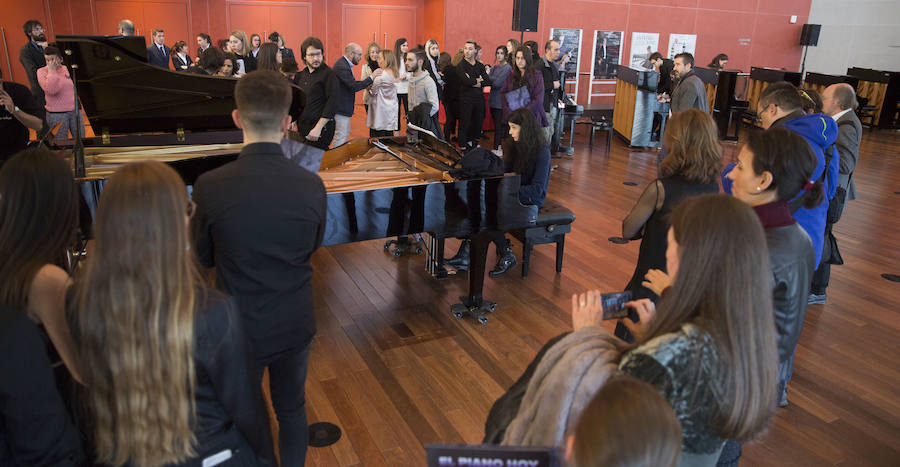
(614, 304)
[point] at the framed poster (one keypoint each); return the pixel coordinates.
(643, 44)
(607, 54)
(680, 43)
(569, 43)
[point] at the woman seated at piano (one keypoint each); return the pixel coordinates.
(526, 153)
(228, 68)
(168, 372)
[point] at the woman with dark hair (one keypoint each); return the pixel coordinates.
(401, 46)
(524, 88)
(39, 208)
(690, 168)
(498, 74)
(373, 55)
(168, 369)
(812, 101)
(281, 42)
(181, 61)
(255, 44)
(229, 67)
(269, 57)
(451, 96)
(628, 423)
(718, 63)
(710, 348)
(527, 154)
(773, 167)
(210, 62)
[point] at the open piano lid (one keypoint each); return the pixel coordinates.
(123, 94)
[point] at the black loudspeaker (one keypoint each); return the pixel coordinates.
(525, 15)
(810, 34)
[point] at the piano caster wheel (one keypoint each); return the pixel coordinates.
(457, 314)
(418, 250)
(387, 245)
(478, 312)
(482, 319)
(490, 309)
(398, 253)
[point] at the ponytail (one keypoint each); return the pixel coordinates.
(814, 196)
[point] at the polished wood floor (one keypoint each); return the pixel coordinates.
(395, 371)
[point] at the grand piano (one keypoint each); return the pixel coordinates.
(377, 188)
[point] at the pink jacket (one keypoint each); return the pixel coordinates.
(59, 90)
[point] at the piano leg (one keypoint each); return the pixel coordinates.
(474, 304)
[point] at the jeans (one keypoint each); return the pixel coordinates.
(548, 130)
(341, 130)
(287, 382)
(70, 121)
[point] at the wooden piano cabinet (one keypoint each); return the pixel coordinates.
(635, 105)
(882, 89)
(819, 81)
(623, 116)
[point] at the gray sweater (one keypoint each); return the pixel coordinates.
(422, 89)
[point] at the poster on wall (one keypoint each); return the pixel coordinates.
(607, 54)
(680, 43)
(569, 44)
(643, 44)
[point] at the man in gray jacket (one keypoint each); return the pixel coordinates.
(689, 93)
(838, 101)
(422, 89)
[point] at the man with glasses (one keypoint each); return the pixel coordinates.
(31, 56)
(316, 123)
(345, 87)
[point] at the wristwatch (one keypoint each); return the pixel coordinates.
(16, 110)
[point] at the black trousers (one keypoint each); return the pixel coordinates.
(501, 128)
(451, 112)
(823, 273)
(404, 105)
(471, 118)
(304, 127)
(379, 133)
(287, 383)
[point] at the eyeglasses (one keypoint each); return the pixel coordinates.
(191, 208)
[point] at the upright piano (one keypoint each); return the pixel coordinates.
(636, 103)
(377, 188)
(881, 91)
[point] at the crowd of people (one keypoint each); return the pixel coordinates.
(156, 367)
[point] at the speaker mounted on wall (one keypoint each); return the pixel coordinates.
(809, 36)
(525, 15)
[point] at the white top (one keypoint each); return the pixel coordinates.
(403, 84)
(840, 114)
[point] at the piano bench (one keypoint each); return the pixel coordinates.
(554, 221)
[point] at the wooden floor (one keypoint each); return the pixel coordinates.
(395, 371)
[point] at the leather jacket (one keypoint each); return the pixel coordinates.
(792, 259)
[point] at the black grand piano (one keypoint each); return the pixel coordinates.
(378, 188)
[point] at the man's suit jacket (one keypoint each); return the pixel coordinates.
(177, 63)
(345, 86)
(31, 59)
(849, 136)
(156, 58)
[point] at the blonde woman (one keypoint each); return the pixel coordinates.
(373, 51)
(169, 373)
(384, 106)
(240, 46)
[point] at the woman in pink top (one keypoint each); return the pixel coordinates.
(60, 94)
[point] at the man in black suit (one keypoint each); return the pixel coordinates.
(157, 52)
(344, 89)
(838, 101)
(258, 221)
(31, 56)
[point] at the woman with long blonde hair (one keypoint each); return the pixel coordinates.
(240, 46)
(168, 372)
(384, 106)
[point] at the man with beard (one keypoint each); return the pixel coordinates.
(552, 85)
(422, 90)
(689, 93)
(345, 88)
(472, 77)
(32, 56)
(316, 122)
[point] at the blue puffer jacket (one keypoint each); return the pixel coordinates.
(820, 131)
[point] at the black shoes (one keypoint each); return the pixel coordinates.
(506, 260)
(460, 260)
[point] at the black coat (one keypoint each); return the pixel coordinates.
(31, 59)
(177, 63)
(793, 262)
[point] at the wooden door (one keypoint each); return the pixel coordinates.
(110, 12)
(173, 19)
(397, 22)
(360, 24)
(293, 22)
(248, 17)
